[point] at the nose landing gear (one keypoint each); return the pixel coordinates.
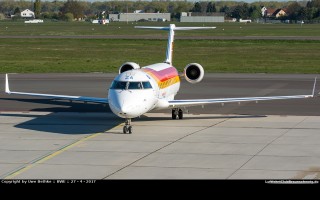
(177, 113)
(127, 127)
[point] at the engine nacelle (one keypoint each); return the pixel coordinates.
(128, 66)
(193, 73)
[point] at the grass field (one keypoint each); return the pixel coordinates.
(106, 55)
(122, 28)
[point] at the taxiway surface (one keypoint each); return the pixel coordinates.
(268, 140)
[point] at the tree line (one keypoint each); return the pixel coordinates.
(70, 9)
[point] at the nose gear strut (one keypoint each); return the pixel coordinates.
(177, 113)
(127, 127)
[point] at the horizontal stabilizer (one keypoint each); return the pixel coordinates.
(171, 30)
(174, 29)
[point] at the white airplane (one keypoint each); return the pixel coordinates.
(138, 90)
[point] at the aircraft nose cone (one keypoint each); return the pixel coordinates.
(124, 109)
(128, 111)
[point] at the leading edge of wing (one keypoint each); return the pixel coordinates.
(195, 102)
(53, 96)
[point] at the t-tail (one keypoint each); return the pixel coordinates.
(171, 30)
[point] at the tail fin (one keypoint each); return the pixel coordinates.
(171, 30)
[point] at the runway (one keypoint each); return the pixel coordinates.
(270, 140)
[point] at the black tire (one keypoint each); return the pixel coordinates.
(130, 129)
(125, 130)
(180, 114)
(174, 116)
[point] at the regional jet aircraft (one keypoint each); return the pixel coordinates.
(138, 90)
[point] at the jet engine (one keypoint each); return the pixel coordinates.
(128, 66)
(193, 73)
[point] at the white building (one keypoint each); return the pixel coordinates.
(201, 17)
(27, 14)
(133, 17)
(263, 11)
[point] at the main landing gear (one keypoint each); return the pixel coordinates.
(127, 127)
(177, 113)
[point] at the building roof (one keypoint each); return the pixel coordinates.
(207, 14)
(277, 11)
(27, 10)
(270, 11)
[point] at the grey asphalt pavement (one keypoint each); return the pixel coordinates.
(213, 86)
(45, 139)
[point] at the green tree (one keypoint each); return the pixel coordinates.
(226, 10)
(255, 12)
(74, 7)
(68, 17)
(313, 10)
(159, 6)
(241, 11)
(37, 8)
(197, 7)
(294, 11)
(313, 3)
(17, 11)
(211, 7)
(2, 17)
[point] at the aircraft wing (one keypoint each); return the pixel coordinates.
(196, 102)
(62, 97)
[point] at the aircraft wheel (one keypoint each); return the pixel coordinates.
(174, 116)
(125, 129)
(180, 114)
(130, 129)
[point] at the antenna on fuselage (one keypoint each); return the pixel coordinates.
(171, 30)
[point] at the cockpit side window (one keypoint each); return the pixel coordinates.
(119, 85)
(146, 85)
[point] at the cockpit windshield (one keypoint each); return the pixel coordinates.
(125, 85)
(119, 85)
(134, 85)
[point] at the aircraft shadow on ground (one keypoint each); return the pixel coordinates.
(80, 118)
(66, 123)
(63, 105)
(198, 116)
(87, 123)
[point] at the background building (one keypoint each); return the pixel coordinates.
(27, 14)
(202, 17)
(132, 17)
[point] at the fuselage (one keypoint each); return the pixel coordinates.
(135, 92)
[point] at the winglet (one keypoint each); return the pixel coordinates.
(314, 86)
(7, 85)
